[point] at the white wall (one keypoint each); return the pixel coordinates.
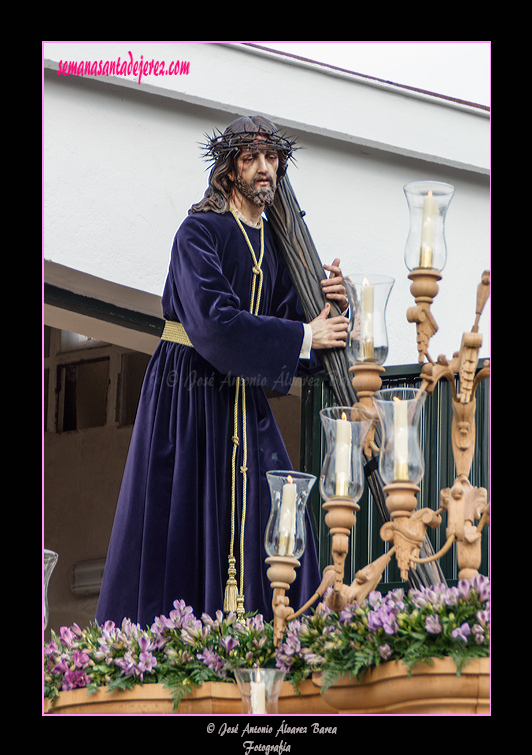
(122, 165)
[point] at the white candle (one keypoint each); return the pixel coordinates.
(287, 518)
(366, 329)
(400, 440)
(258, 697)
(342, 457)
(428, 228)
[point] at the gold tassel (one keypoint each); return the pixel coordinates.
(231, 588)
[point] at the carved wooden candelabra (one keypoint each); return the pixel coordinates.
(464, 503)
(350, 431)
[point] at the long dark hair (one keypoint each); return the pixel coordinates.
(218, 192)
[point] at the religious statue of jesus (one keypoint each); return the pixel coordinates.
(194, 501)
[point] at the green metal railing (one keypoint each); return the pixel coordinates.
(366, 544)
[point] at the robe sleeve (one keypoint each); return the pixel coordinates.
(286, 304)
(260, 348)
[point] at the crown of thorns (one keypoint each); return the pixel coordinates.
(246, 133)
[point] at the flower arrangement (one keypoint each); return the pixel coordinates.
(182, 651)
(412, 627)
(178, 650)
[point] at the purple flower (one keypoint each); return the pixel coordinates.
(129, 628)
(294, 627)
(74, 679)
(283, 662)
(213, 623)
(194, 631)
(433, 596)
(390, 625)
(147, 663)
(51, 649)
(145, 644)
(464, 588)
(375, 599)
(161, 623)
(259, 642)
(182, 614)
(127, 664)
(159, 629)
(288, 650)
(61, 667)
(105, 651)
(68, 635)
(432, 625)
(478, 634)
(461, 633)
(322, 608)
(294, 644)
(397, 597)
(384, 619)
(310, 658)
(228, 643)
(419, 598)
(451, 597)
(348, 612)
(385, 652)
(81, 660)
(255, 623)
(213, 661)
(109, 635)
(138, 663)
(483, 617)
(481, 585)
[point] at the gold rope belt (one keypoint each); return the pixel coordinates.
(175, 332)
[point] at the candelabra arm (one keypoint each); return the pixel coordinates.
(463, 403)
(281, 609)
(329, 576)
(432, 373)
(408, 525)
(367, 579)
(485, 519)
(435, 556)
(482, 374)
(483, 292)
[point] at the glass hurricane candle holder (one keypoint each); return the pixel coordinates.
(286, 531)
(259, 689)
(367, 338)
(428, 202)
(345, 430)
(399, 411)
(50, 560)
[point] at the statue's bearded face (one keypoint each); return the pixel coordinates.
(255, 175)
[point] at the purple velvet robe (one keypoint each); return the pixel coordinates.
(171, 534)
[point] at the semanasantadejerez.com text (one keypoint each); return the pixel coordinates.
(126, 67)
